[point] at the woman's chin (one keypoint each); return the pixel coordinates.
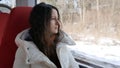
(55, 32)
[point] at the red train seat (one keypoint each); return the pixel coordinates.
(3, 20)
(18, 20)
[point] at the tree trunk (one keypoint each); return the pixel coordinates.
(83, 12)
(98, 11)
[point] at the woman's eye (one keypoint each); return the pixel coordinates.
(53, 19)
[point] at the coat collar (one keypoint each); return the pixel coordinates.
(33, 55)
(64, 38)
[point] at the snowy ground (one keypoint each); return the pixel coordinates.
(103, 49)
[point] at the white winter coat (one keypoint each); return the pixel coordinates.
(28, 55)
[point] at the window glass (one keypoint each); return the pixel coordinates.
(6, 5)
(10, 3)
(91, 18)
(94, 25)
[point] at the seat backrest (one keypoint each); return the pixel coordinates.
(17, 22)
(3, 20)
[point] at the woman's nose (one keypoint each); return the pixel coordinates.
(57, 22)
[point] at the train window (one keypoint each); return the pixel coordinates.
(94, 18)
(10, 3)
(93, 24)
(6, 5)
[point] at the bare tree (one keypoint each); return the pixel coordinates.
(113, 6)
(83, 12)
(98, 11)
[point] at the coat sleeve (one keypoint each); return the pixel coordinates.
(19, 61)
(65, 57)
(72, 62)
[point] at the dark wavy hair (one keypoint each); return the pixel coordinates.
(40, 30)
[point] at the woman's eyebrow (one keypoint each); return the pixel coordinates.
(54, 17)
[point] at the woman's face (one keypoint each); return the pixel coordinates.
(54, 22)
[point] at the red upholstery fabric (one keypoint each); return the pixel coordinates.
(3, 21)
(18, 21)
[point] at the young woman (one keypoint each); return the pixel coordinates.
(44, 44)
